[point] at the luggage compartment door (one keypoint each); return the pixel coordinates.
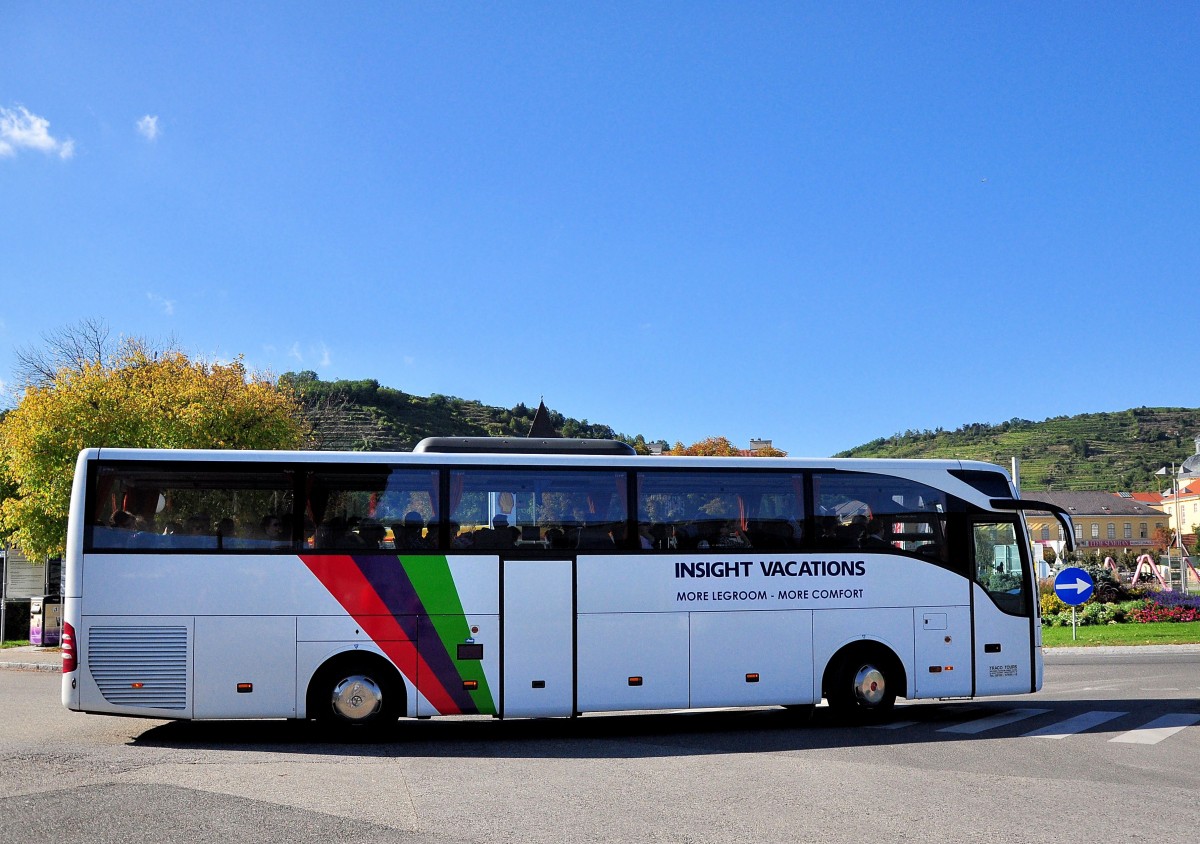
(538, 632)
(942, 664)
(751, 658)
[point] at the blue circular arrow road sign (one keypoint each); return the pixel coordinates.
(1073, 586)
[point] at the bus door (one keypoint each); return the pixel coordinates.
(1002, 596)
(537, 627)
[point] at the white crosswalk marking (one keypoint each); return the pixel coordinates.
(1078, 724)
(1150, 733)
(1158, 729)
(991, 722)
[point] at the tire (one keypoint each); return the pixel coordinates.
(355, 696)
(863, 685)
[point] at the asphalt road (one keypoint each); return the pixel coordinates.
(1106, 752)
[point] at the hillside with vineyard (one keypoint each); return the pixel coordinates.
(1117, 451)
(362, 415)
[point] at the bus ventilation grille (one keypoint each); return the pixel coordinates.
(140, 666)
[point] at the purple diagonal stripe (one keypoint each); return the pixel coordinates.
(391, 582)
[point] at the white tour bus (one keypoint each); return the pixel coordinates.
(523, 578)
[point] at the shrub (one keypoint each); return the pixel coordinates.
(1108, 586)
(1090, 613)
(1051, 604)
(1117, 614)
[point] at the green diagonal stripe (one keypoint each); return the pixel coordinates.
(431, 578)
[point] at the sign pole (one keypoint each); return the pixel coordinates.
(3, 590)
(1073, 586)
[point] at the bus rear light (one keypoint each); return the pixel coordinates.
(137, 685)
(245, 688)
(635, 681)
(470, 685)
(70, 662)
(752, 678)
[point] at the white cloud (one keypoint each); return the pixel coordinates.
(20, 129)
(148, 127)
(319, 352)
(167, 305)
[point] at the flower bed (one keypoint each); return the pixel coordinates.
(1139, 606)
(1169, 606)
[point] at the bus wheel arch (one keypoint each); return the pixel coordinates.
(356, 690)
(863, 679)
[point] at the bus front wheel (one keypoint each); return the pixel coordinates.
(863, 684)
(357, 694)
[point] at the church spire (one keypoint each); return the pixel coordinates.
(542, 427)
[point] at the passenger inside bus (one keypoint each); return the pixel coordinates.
(410, 533)
(371, 533)
(873, 535)
(499, 536)
(595, 536)
(271, 528)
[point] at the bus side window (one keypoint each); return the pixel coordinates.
(688, 510)
(882, 514)
(536, 510)
(203, 507)
(372, 507)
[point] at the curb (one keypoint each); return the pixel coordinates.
(1120, 650)
(30, 666)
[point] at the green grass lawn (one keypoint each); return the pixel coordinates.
(14, 643)
(1159, 633)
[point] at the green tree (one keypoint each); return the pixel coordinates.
(131, 398)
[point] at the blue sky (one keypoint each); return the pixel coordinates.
(815, 223)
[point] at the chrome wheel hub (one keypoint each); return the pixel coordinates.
(357, 698)
(870, 688)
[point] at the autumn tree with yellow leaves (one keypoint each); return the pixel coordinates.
(131, 398)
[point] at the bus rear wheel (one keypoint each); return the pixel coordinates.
(357, 695)
(863, 685)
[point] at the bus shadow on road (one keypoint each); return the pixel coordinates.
(636, 735)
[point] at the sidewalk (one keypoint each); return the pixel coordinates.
(31, 658)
